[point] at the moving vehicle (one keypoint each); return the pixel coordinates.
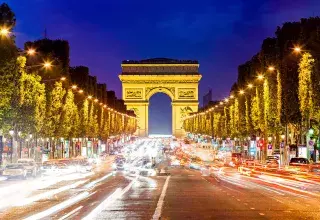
(30, 166)
(300, 164)
(236, 158)
(49, 168)
(15, 170)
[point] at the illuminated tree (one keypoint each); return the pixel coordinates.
(305, 90)
(84, 119)
(54, 110)
(68, 115)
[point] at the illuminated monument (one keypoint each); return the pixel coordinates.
(179, 79)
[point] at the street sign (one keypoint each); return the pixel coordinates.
(282, 144)
(311, 143)
(269, 146)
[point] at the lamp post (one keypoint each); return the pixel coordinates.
(11, 132)
(20, 143)
(30, 148)
(1, 146)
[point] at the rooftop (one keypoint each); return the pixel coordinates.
(160, 61)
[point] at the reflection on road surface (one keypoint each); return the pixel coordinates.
(156, 178)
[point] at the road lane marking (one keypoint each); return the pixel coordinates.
(157, 212)
(252, 208)
(105, 203)
(71, 213)
(93, 183)
(49, 193)
(261, 213)
(59, 207)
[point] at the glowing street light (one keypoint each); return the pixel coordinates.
(89, 97)
(232, 96)
(226, 99)
(31, 51)
(241, 92)
(74, 86)
(283, 136)
(250, 86)
(4, 32)
(47, 65)
(11, 132)
(63, 78)
(260, 77)
(221, 103)
(297, 49)
(271, 68)
(80, 91)
(96, 100)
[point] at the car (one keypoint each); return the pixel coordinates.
(236, 158)
(300, 164)
(15, 170)
(49, 168)
(273, 158)
(30, 166)
(298, 161)
(85, 166)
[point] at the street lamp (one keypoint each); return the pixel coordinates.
(47, 65)
(31, 51)
(283, 136)
(4, 32)
(271, 68)
(63, 78)
(260, 77)
(250, 86)
(311, 131)
(11, 132)
(297, 49)
(241, 92)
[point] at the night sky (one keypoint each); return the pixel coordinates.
(102, 33)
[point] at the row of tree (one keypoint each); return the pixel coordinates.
(49, 107)
(277, 92)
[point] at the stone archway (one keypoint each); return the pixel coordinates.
(179, 79)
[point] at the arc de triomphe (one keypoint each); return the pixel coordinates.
(179, 79)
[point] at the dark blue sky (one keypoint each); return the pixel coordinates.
(102, 33)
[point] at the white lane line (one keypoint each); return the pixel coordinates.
(261, 213)
(157, 212)
(48, 194)
(93, 183)
(70, 213)
(59, 207)
(105, 203)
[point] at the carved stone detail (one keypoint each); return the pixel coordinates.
(187, 93)
(160, 69)
(150, 89)
(134, 93)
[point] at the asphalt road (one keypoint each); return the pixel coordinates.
(183, 194)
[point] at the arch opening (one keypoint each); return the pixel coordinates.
(160, 114)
